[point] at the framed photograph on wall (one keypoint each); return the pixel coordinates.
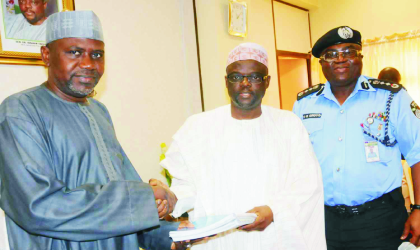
(23, 26)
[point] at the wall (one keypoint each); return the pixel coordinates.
(306, 4)
(215, 44)
(292, 28)
(151, 82)
(15, 78)
(373, 18)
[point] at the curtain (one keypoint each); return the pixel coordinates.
(400, 51)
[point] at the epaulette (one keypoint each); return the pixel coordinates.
(317, 88)
(382, 84)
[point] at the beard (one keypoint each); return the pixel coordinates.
(248, 105)
(81, 92)
(34, 20)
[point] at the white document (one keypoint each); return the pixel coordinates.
(407, 246)
(212, 225)
(4, 242)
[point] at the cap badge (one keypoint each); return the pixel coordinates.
(345, 32)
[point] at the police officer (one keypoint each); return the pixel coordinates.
(359, 126)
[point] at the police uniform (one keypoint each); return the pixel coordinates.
(358, 145)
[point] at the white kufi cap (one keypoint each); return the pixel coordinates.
(74, 24)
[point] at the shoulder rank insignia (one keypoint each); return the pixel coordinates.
(415, 108)
(317, 88)
(381, 84)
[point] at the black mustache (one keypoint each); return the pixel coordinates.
(86, 73)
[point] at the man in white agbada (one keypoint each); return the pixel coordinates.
(30, 25)
(246, 157)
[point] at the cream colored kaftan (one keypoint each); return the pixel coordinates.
(232, 166)
(18, 28)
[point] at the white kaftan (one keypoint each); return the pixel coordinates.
(232, 166)
(18, 28)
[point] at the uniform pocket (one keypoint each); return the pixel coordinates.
(385, 153)
(314, 126)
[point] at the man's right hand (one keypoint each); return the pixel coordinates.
(165, 198)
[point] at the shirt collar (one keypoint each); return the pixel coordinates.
(361, 85)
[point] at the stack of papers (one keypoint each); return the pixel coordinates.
(407, 246)
(212, 225)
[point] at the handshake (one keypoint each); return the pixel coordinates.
(165, 202)
(165, 198)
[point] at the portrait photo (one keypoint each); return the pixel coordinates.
(23, 25)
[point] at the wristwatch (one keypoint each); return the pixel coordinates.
(415, 206)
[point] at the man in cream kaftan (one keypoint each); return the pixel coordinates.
(17, 27)
(234, 165)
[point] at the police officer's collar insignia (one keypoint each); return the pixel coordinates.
(317, 88)
(365, 85)
(382, 84)
(415, 108)
(320, 91)
(345, 32)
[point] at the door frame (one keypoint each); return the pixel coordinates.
(283, 53)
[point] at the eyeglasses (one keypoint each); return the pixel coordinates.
(254, 78)
(333, 55)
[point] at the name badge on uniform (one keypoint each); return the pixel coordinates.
(372, 151)
(311, 115)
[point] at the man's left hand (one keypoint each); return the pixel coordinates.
(413, 226)
(263, 220)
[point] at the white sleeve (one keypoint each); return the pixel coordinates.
(182, 184)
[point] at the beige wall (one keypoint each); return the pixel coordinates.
(215, 44)
(292, 28)
(306, 4)
(372, 18)
(151, 82)
(15, 78)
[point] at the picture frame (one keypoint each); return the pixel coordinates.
(238, 18)
(22, 23)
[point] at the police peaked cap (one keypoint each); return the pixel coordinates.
(342, 34)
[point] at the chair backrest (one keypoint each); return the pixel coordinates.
(407, 183)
